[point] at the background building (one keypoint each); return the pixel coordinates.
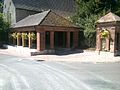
(16, 10)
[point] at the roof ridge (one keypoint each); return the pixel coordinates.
(45, 15)
(110, 17)
(48, 17)
(30, 17)
(115, 16)
(61, 16)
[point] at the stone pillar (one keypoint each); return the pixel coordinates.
(18, 38)
(113, 43)
(38, 41)
(118, 40)
(100, 46)
(41, 41)
(98, 43)
(23, 41)
(68, 40)
(75, 39)
(29, 40)
(52, 39)
(107, 44)
(98, 40)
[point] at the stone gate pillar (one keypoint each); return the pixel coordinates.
(113, 41)
(111, 23)
(98, 40)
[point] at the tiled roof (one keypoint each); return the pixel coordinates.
(32, 20)
(110, 17)
(67, 6)
(48, 18)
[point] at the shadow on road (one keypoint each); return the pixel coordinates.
(67, 51)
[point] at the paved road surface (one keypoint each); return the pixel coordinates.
(21, 74)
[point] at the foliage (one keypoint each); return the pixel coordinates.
(4, 26)
(4, 29)
(1, 6)
(89, 11)
(19, 35)
(14, 35)
(24, 35)
(105, 34)
(32, 36)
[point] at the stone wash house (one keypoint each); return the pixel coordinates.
(52, 31)
(47, 19)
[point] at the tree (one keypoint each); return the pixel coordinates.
(4, 27)
(1, 6)
(89, 11)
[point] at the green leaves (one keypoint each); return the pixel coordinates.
(14, 35)
(1, 4)
(4, 29)
(25, 35)
(105, 34)
(32, 36)
(4, 26)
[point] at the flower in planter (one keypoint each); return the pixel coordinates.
(24, 35)
(14, 35)
(32, 36)
(19, 35)
(24, 38)
(104, 34)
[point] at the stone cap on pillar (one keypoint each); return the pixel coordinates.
(110, 17)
